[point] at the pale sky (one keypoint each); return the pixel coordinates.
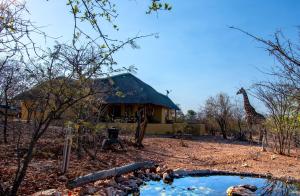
(196, 54)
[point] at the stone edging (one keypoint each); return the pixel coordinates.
(198, 173)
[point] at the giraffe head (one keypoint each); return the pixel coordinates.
(241, 91)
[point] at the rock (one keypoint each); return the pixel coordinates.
(250, 187)
(110, 191)
(164, 167)
(273, 157)
(153, 170)
(129, 186)
(49, 192)
(158, 169)
(139, 181)
(169, 171)
(89, 190)
(143, 177)
(167, 178)
(120, 193)
(132, 184)
(154, 177)
(112, 182)
(241, 190)
(62, 178)
(120, 179)
(245, 165)
(126, 189)
(179, 173)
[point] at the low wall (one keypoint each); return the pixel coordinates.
(158, 128)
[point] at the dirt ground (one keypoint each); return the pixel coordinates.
(205, 152)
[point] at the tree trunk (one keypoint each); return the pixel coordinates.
(100, 175)
(22, 170)
(261, 135)
(223, 130)
(5, 119)
(224, 134)
(79, 143)
(138, 127)
(141, 127)
(143, 131)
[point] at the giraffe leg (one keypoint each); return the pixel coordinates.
(261, 135)
(250, 133)
(263, 148)
(264, 140)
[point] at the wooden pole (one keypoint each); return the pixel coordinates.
(117, 171)
(67, 150)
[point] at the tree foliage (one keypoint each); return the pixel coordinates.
(60, 76)
(281, 94)
(220, 109)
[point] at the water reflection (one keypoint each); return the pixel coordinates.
(279, 188)
(217, 185)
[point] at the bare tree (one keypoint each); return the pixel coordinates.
(11, 83)
(284, 112)
(287, 54)
(16, 32)
(87, 115)
(63, 76)
(238, 116)
(220, 109)
(286, 71)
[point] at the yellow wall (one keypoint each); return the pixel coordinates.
(159, 113)
(24, 110)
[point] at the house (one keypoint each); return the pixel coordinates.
(126, 95)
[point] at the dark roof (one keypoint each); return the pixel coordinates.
(122, 88)
(40, 90)
(128, 89)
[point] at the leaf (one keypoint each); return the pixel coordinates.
(75, 9)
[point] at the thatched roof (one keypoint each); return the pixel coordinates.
(128, 89)
(119, 89)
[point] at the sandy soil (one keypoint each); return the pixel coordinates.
(202, 153)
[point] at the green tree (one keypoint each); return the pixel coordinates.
(191, 115)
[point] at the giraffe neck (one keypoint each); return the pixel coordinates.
(248, 108)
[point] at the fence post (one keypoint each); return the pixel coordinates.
(67, 149)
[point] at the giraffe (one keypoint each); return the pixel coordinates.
(253, 118)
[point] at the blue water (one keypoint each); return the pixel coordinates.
(217, 185)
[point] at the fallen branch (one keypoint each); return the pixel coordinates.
(104, 174)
